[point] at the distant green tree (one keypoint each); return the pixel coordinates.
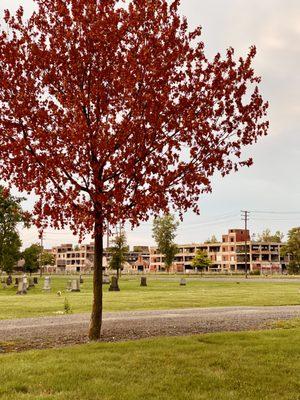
(31, 256)
(138, 249)
(201, 260)
(10, 251)
(11, 215)
(292, 249)
(213, 239)
(267, 236)
(47, 258)
(118, 252)
(164, 233)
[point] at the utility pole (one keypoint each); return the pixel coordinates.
(245, 218)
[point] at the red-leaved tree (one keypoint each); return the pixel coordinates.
(112, 112)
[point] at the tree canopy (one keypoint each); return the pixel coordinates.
(213, 239)
(164, 233)
(267, 236)
(201, 260)
(31, 256)
(47, 258)
(111, 111)
(292, 250)
(11, 214)
(118, 252)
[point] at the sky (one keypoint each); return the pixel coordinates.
(272, 184)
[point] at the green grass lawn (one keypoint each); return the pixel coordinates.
(228, 366)
(160, 294)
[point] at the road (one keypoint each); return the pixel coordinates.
(43, 332)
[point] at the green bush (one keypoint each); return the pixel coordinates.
(256, 272)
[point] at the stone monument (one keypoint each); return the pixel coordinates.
(143, 281)
(182, 282)
(47, 284)
(30, 283)
(9, 280)
(22, 285)
(69, 285)
(114, 287)
(75, 285)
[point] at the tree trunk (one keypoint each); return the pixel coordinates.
(96, 317)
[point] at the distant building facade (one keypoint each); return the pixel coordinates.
(80, 258)
(228, 255)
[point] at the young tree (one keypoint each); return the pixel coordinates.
(267, 236)
(31, 257)
(11, 214)
(111, 111)
(292, 249)
(118, 252)
(201, 260)
(164, 233)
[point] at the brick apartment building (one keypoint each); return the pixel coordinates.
(228, 255)
(70, 259)
(73, 259)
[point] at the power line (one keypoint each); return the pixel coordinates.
(204, 225)
(273, 219)
(275, 212)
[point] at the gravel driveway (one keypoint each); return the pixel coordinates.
(44, 332)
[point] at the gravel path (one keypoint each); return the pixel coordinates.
(43, 332)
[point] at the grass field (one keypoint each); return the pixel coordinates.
(229, 366)
(160, 294)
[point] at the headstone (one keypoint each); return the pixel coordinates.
(16, 282)
(75, 285)
(47, 284)
(69, 285)
(182, 282)
(4, 285)
(30, 282)
(25, 281)
(114, 287)
(80, 279)
(3, 277)
(35, 280)
(22, 285)
(143, 281)
(9, 280)
(106, 280)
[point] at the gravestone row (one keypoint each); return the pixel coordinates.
(24, 283)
